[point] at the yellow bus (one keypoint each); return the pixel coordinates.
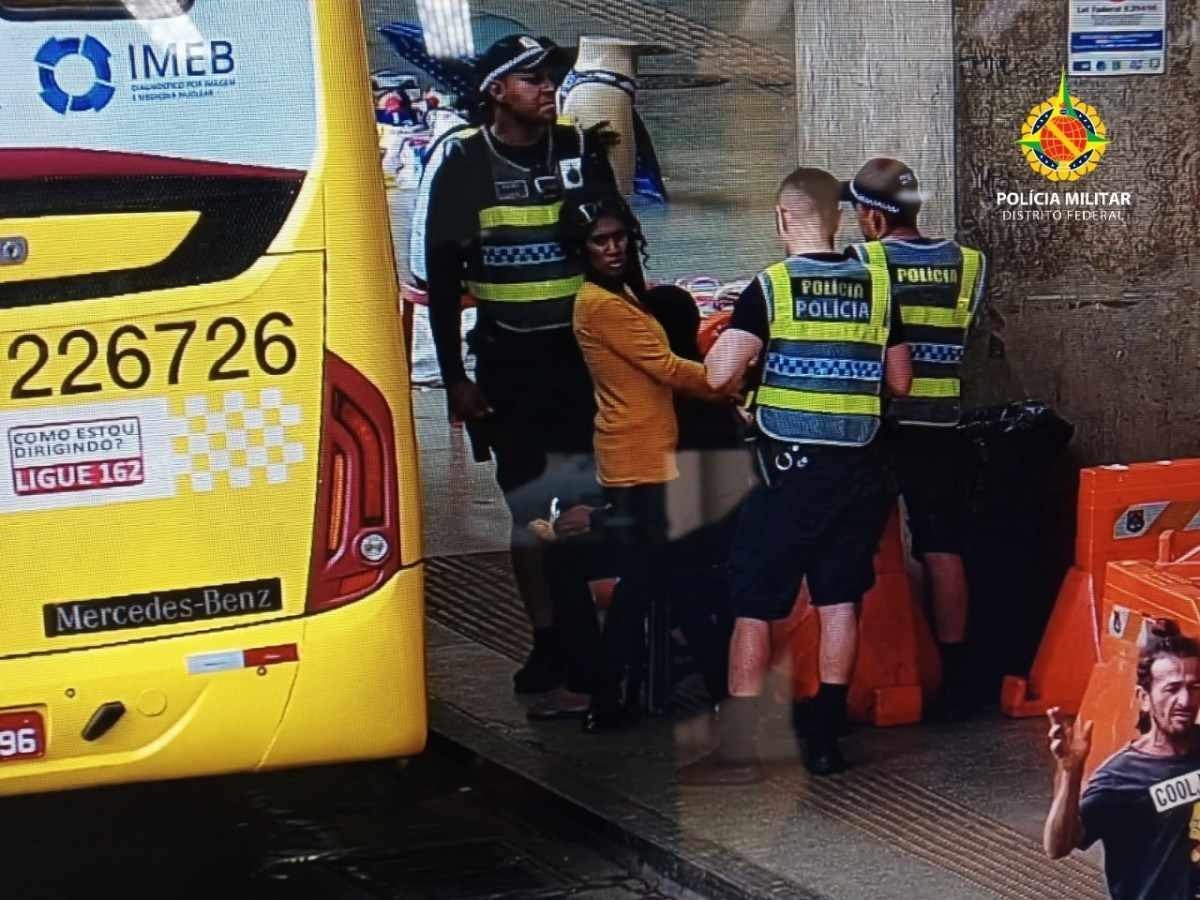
(210, 527)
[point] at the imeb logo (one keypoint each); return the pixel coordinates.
(1063, 138)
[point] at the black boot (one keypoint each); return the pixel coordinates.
(957, 701)
(804, 719)
(717, 685)
(611, 708)
(544, 669)
(735, 761)
(822, 755)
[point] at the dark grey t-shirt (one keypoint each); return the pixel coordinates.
(1148, 854)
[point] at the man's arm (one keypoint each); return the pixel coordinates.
(1064, 826)
(447, 236)
(726, 363)
(897, 368)
(980, 326)
(445, 312)
(741, 343)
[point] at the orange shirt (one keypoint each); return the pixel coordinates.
(635, 375)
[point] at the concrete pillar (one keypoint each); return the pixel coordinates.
(876, 78)
(593, 103)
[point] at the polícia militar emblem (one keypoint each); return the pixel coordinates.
(1063, 138)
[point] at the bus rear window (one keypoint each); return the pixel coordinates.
(203, 86)
(93, 9)
(127, 116)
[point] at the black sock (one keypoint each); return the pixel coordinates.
(738, 720)
(831, 708)
(717, 685)
(545, 640)
(954, 664)
(606, 695)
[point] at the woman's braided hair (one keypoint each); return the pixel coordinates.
(580, 215)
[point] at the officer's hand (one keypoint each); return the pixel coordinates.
(1070, 746)
(601, 135)
(733, 392)
(575, 521)
(466, 401)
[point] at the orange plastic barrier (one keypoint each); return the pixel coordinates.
(711, 328)
(1136, 592)
(898, 666)
(602, 591)
(1122, 511)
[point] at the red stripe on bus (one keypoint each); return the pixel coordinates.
(25, 165)
(270, 656)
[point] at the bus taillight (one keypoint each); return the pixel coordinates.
(356, 538)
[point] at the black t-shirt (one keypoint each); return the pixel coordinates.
(750, 310)
(452, 225)
(1148, 854)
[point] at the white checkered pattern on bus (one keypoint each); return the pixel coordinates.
(230, 438)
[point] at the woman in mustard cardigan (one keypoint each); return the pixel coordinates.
(635, 377)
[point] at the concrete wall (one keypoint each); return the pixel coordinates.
(1099, 319)
(1102, 320)
(876, 78)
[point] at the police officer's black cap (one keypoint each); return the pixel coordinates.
(884, 184)
(515, 53)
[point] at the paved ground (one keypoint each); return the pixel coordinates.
(927, 811)
(437, 828)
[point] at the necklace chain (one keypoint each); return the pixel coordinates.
(487, 136)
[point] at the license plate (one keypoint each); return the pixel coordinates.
(22, 736)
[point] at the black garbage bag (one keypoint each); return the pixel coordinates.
(1019, 541)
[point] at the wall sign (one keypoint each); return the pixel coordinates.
(1117, 37)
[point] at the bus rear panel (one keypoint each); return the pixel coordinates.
(208, 498)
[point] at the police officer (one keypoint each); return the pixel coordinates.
(939, 285)
(826, 333)
(491, 231)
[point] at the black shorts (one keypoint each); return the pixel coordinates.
(539, 387)
(930, 467)
(822, 522)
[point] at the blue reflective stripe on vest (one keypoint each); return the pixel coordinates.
(523, 254)
(779, 364)
(936, 353)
